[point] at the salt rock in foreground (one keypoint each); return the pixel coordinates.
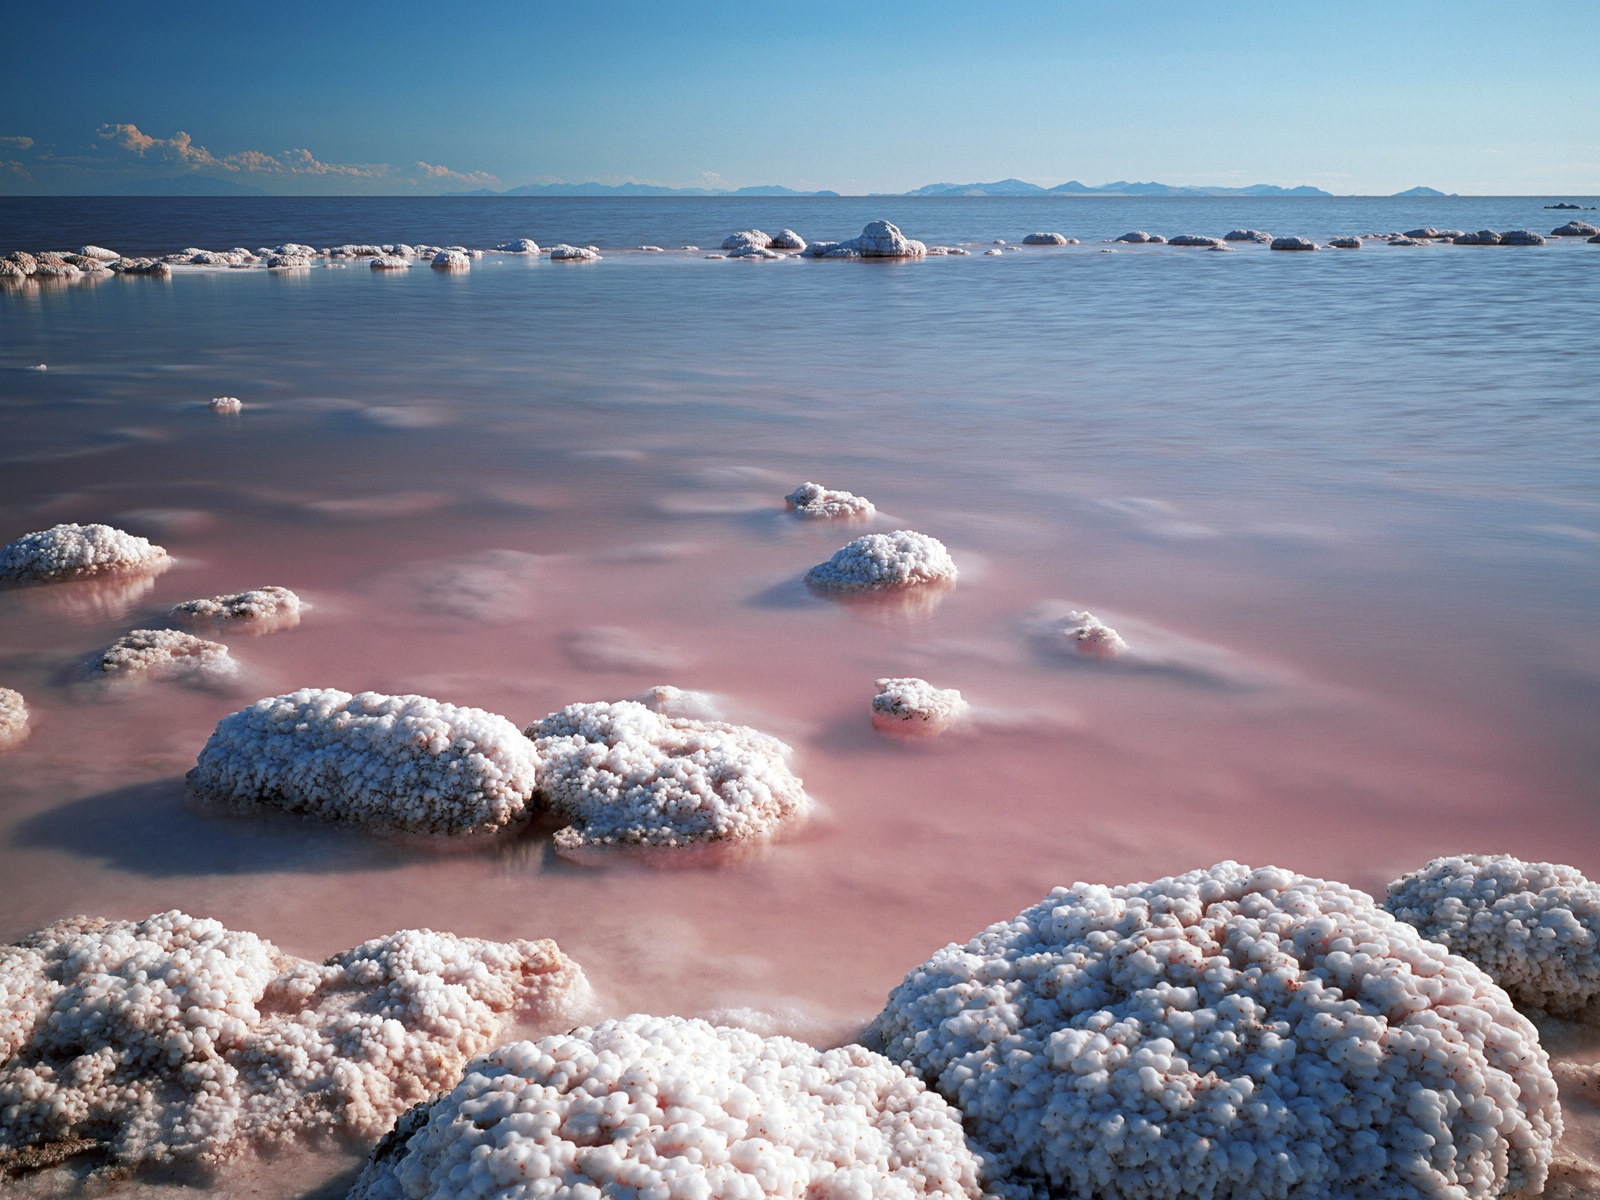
(164, 654)
(876, 561)
(1575, 229)
(260, 610)
(174, 1039)
(77, 552)
(13, 719)
(398, 762)
(1534, 926)
(671, 1107)
(914, 706)
(815, 501)
(1228, 1032)
(624, 776)
(879, 239)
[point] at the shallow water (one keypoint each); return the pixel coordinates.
(1346, 501)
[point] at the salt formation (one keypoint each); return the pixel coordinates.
(621, 775)
(288, 262)
(259, 609)
(1292, 243)
(1484, 237)
(994, 253)
(1189, 239)
(164, 654)
(672, 701)
(226, 404)
(1534, 926)
(814, 500)
(1247, 235)
(399, 762)
(880, 239)
(174, 1039)
(1521, 237)
(1228, 1032)
(1045, 239)
(1139, 236)
(915, 706)
(390, 262)
(565, 253)
(452, 260)
(1575, 229)
(520, 246)
(788, 239)
(668, 1106)
(885, 560)
(1345, 243)
(1427, 231)
(752, 252)
(13, 719)
(747, 237)
(99, 252)
(1088, 636)
(78, 551)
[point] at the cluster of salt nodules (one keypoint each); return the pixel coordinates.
(1534, 926)
(915, 706)
(622, 775)
(874, 561)
(77, 552)
(13, 718)
(1087, 635)
(164, 654)
(566, 253)
(176, 1039)
(260, 610)
(406, 763)
(650, 1106)
(879, 239)
(226, 404)
(1228, 1032)
(814, 500)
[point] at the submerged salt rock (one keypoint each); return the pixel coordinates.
(390, 262)
(163, 654)
(1345, 243)
(1228, 1032)
(940, 251)
(1534, 926)
(1427, 231)
(13, 721)
(900, 559)
(1190, 239)
(1484, 237)
(910, 705)
(226, 404)
(1575, 229)
(752, 252)
(565, 253)
(1247, 235)
(398, 762)
(1521, 237)
(452, 260)
(624, 776)
(787, 239)
(1292, 243)
(814, 500)
(174, 1039)
(747, 237)
(1045, 239)
(675, 1107)
(78, 551)
(1087, 635)
(261, 609)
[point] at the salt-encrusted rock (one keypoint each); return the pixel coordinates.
(226, 404)
(390, 262)
(565, 253)
(163, 654)
(13, 723)
(1292, 243)
(1452, 234)
(140, 266)
(652, 249)
(174, 1039)
(1408, 241)
(1045, 239)
(99, 252)
(1521, 237)
(1427, 231)
(954, 251)
(1345, 243)
(56, 270)
(11, 270)
(1575, 229)
(752, 252)
(23, 259)
(819, 249)
(1247, 235)
(1085, 634)
(1596, 238)
(814, 500)
(1139, 237)
(993, 253)
(787, 239)
(747, 237)
(1190, 239)
(452, 260)
(296, 249)
(915, 706)
(352, 250)
(671, 1107)
(885, 560)
(1484, 237)
(78, 551)
(399, 762)
(288, 262)
(1228, 1032)
(260, 609)
(520, 246)
(881, 239)
(623, 776)
(1534, 926)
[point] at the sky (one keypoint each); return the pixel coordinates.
(416, 97)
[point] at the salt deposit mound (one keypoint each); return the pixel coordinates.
(173, 1038)
(914, 706)
(1087, 635)
(1575, 229)
(879, 239)
(1045, 239)
(814, 500)
(227, 405)
(400, 762)
(788, 239)
(624, 776)
(164, 654)
(1534, 926)
(519, 246)
(566, 253)
(260, 610)
(452, 260)
(13, 719)
(1191, 239)
(873, 561)
(666, 1106)
(1139, 237)
(1292, 243)
(746, 237)
(1228, 1033)
(78, 551)
(1247, 235)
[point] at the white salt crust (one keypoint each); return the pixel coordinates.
(746, 237)
(399, 762)
(885, 560)
(676, 1109)
(164, 654)
(910, 705)
(173, 1038)
(260, 609)
(13, 719)
(1534, 926)
(814, 500)
(452, 260)
(622, 775)
(1085, 634)
(226, 404)
(566, 253)
(1228, 1033)
(1045, 239)
(77, 551)
(879, 239)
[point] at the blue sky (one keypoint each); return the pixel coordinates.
(409, 97)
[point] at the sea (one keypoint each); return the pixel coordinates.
(1343, 506)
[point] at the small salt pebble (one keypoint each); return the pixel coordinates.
(38, 367)
(226, 404)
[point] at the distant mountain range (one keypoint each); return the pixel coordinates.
(1004, 187)
(634, 189)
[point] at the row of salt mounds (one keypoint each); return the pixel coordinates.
(401, 762)
(259, 610)
(1534, 926)
(667, 1106)
(76, 552)
(173, 1038)
(1228, 1033)
(624, 776)
(164, 654)
(914, 706)
(1488, 237)
(812, 500)
(879, 239)
(876, 561)
(13, 719)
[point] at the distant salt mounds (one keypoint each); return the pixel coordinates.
(1227, 1032)
(668, 1106)
(879, 239)
(259, 610)
(164, 654)
(1488, 237)
(78, 552)
(1534, 926)
(405, 763)
(13, 719)
(812, 500)
(625, 777)
(912, 706)
(173, 1039)
(1190, 239)
(885, 561)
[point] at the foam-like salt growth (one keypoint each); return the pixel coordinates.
(885, 560)
(622, 775)
(1228, 1032)
(915, 706)
(400, 762)
(1087, 635)
(814, 500)
(882, 239)
(77, 551)
(13, 719)
(260, 609)
(226, 404)
(672, 701)
(674, 1107)
(174, 1039)
(1534, 926)
(164, 654)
